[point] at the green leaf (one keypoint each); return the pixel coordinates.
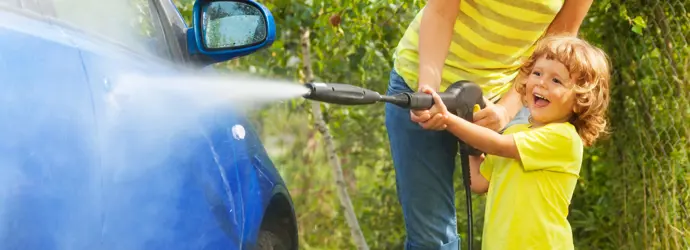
(639, 21)
(637, 29)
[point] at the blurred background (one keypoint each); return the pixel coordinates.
(633, 193)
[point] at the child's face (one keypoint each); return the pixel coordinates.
(548, 94)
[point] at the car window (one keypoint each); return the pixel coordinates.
(34, 6)
(11, 3)
(132, 23)
(31, 5)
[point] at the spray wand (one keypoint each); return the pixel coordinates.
(460, 99)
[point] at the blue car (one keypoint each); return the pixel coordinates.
(85, 164)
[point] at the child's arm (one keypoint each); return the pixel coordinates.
(484, 139)
(479, 184)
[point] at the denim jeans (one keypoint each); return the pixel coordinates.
(424, 163)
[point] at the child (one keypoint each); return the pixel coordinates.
(530, 171)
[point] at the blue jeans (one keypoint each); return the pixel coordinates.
(424, 162)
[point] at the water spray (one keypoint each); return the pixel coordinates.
(460, 99)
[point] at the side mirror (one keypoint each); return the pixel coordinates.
(225, 29)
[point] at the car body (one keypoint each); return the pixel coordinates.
(83, 168)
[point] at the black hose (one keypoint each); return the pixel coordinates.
(465, 161)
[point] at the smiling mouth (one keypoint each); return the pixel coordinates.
(540, 101)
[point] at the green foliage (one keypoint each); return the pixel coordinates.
(634, 191)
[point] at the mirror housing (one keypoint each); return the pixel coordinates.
(226, 29)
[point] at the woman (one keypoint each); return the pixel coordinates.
(483, 41)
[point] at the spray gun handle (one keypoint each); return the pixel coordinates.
(459, 96)
(468, 95)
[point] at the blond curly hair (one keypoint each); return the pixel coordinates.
(591, 68)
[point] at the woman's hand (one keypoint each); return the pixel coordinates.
(424, 116)
(440, 113)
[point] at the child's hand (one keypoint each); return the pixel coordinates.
(440, 120)
(494, 116)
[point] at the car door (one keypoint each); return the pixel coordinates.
(47, 129)
(233, 138)
(169, 175)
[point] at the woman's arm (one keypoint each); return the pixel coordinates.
(569, 18)
(435, 33)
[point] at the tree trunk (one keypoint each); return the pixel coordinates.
(350, 216)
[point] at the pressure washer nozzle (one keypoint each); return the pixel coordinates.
(344, 94)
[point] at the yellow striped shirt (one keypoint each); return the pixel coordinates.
(490, 40)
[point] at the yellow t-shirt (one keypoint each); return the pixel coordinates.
(490, 39)
(527, 202)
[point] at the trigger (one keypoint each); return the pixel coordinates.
(476, 108)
